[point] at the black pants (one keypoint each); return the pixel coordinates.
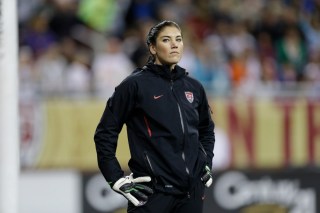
(166, 203)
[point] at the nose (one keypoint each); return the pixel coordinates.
(174, 44)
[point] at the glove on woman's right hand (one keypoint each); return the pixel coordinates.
(132, 190)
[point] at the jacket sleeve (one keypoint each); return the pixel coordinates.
(109, 127)
(206, 128)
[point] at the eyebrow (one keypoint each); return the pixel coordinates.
(178, 36)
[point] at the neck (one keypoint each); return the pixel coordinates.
(171, 66)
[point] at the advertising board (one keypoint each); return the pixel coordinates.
(233, 191)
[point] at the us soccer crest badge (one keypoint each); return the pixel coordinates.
(189, 96)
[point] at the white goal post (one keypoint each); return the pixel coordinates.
(9, 125)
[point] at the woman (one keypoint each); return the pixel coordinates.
(170, 132)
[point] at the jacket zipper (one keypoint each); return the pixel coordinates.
(202, 148)
(150, 165)
(183, 130)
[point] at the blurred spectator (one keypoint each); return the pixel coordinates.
(312, 69)
(103, 16)
(252, 78)
(265, 47)
(64, 18)
(199, 21)
(291, 55)
(312, 31)
(38, 36)
(223, 33)
(26, 9)
(27, 74)
(50, 68)
(135, 42)
(218, 76)
(268, 70)
(110, 67)
(288, 73)
(202, 69)
(140, 10)
(214, 74)
(267, 55)
(238, 70)
(176, 10)
(68, 48)
(78, 76)
(239, 40)
(188, 60)
(269, 23)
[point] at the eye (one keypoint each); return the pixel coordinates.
(179, 39)
(165, 40)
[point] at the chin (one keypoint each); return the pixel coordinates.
(173, 61)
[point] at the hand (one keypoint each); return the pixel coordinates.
(132, 190)
(207, 177)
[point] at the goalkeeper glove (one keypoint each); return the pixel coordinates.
(207, 177)
(132, 190)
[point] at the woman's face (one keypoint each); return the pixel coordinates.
(168, 48)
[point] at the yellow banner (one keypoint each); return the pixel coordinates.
(270, 133)
(261, 133)
(68, 136)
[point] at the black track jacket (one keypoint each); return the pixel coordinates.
(169, 126)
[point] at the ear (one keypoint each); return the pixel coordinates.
(152, 49)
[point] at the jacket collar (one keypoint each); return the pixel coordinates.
(164, 71)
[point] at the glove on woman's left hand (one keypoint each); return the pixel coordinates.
(207, 177)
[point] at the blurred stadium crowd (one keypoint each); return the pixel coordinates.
(84, 48)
